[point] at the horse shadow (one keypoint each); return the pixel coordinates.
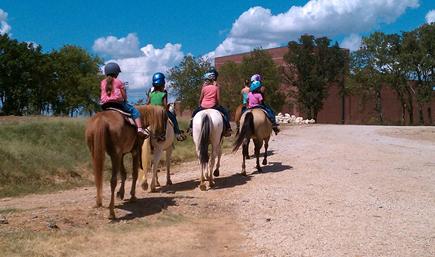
(231, 181)
(145, 207)
(220, 183)
(274, 167)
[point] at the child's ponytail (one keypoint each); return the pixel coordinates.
(109, 86)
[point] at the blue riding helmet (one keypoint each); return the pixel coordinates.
(209, 76)
(112, 68)
(158, 79)
(255, 85)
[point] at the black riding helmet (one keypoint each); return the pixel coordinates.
(112, 68)
(214, 71)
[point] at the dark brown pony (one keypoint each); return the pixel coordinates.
(237, 117)
(108, 132)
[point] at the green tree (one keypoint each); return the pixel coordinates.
(75, 81)
(261, 62)
(20, 63)
(186, 79)
(312, 64)
(231, 83)
(418, 55)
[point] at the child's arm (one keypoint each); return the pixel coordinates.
(200, 97)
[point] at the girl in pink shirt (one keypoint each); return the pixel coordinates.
(210, 98)
(113, 94)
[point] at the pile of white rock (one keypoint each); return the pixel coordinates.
(292, 119)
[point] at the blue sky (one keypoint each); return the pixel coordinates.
(149, 36)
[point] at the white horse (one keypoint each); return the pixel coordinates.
(158, 147)
(207, 128)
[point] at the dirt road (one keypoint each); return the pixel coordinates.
(328, 191)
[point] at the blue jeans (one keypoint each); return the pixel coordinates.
(218, 108)
(123, 106)
(173, 118)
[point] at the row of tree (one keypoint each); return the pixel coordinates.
(61, 82)
(405, 62)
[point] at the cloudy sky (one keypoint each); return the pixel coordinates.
(150, 36)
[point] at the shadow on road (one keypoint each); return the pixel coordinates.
(275, 167)
(145, 206)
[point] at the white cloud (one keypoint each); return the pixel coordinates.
(138, 71)
(430, 16)
(352, 42)
(259, 27)
(138, 65)
(124, 47)
(4, 26)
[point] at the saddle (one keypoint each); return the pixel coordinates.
(118, 108)
(256, 107)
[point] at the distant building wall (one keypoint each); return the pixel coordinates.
(356, 109)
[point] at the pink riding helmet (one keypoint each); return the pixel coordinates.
(256, 77)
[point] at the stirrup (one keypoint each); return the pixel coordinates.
(180, 137)
(144, 132)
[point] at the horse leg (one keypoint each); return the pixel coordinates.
(134, 175)
(116, 165)
(211, 166)
(266, 145)
(121, 191)
(247, 150)
(218, 164)
(244, 154)
(156, 159)
(168, 166)
(258, 144)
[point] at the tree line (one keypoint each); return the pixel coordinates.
(65, 81)
(61, 82)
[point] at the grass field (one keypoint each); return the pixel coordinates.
(41, 154)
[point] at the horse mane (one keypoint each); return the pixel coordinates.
(153, 116)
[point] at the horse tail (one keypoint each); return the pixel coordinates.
(246, 131)
(203, 141)
(97, 147)
(146, 155)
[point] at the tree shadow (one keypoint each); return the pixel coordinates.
(274, 167)
(146, 206)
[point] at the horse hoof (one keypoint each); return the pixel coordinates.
(98, 205)
(120, 195)
(243, 173)
(157, 184)
(216, 173)
(264, 162)
(211, 184)
(202, 187)
(132, 199)
(248, 157)
(169, 182)
(144, 186)
(259, 170)
(153, 190)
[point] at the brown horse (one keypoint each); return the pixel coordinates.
(108, 132)
(256, 126)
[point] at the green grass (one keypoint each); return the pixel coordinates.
(42, 154)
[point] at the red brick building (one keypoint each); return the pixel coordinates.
(350, 109)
